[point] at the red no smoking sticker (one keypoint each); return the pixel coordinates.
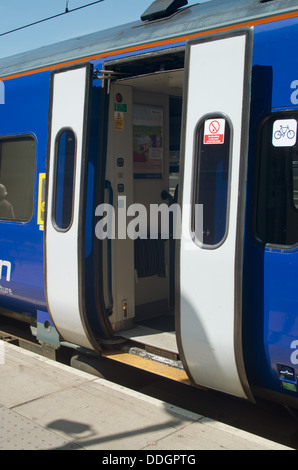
(214, 131)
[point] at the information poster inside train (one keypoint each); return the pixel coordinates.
(147, 141)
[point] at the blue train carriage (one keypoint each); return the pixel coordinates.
(181, 129)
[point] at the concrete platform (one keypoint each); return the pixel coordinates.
(45, 405)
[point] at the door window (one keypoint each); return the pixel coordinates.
(64, 179)
(211, 181)
(277, 195)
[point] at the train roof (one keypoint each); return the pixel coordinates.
(185, 21)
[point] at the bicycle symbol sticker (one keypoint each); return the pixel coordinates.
(284, 133)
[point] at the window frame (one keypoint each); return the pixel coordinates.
(14, 138)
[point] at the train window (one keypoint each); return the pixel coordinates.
(277, 195)
(211, 181)
(64, 179)
(17, 168)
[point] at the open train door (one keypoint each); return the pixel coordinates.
(215, 147)
(66, 189)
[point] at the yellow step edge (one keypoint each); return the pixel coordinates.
(148, 365)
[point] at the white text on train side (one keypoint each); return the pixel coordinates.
(294, 94)
(294, 355)
(7, 271)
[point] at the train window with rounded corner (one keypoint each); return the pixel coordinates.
(65, 157)
(17, 174)
(211, 181)
(277, 181)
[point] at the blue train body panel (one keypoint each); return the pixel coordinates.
(271, 271)
(273, 48)
(25, 113)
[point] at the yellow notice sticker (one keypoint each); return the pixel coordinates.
(41, 200)
(119, 120)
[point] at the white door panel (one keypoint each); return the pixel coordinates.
(69, 91)
(208, 318)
